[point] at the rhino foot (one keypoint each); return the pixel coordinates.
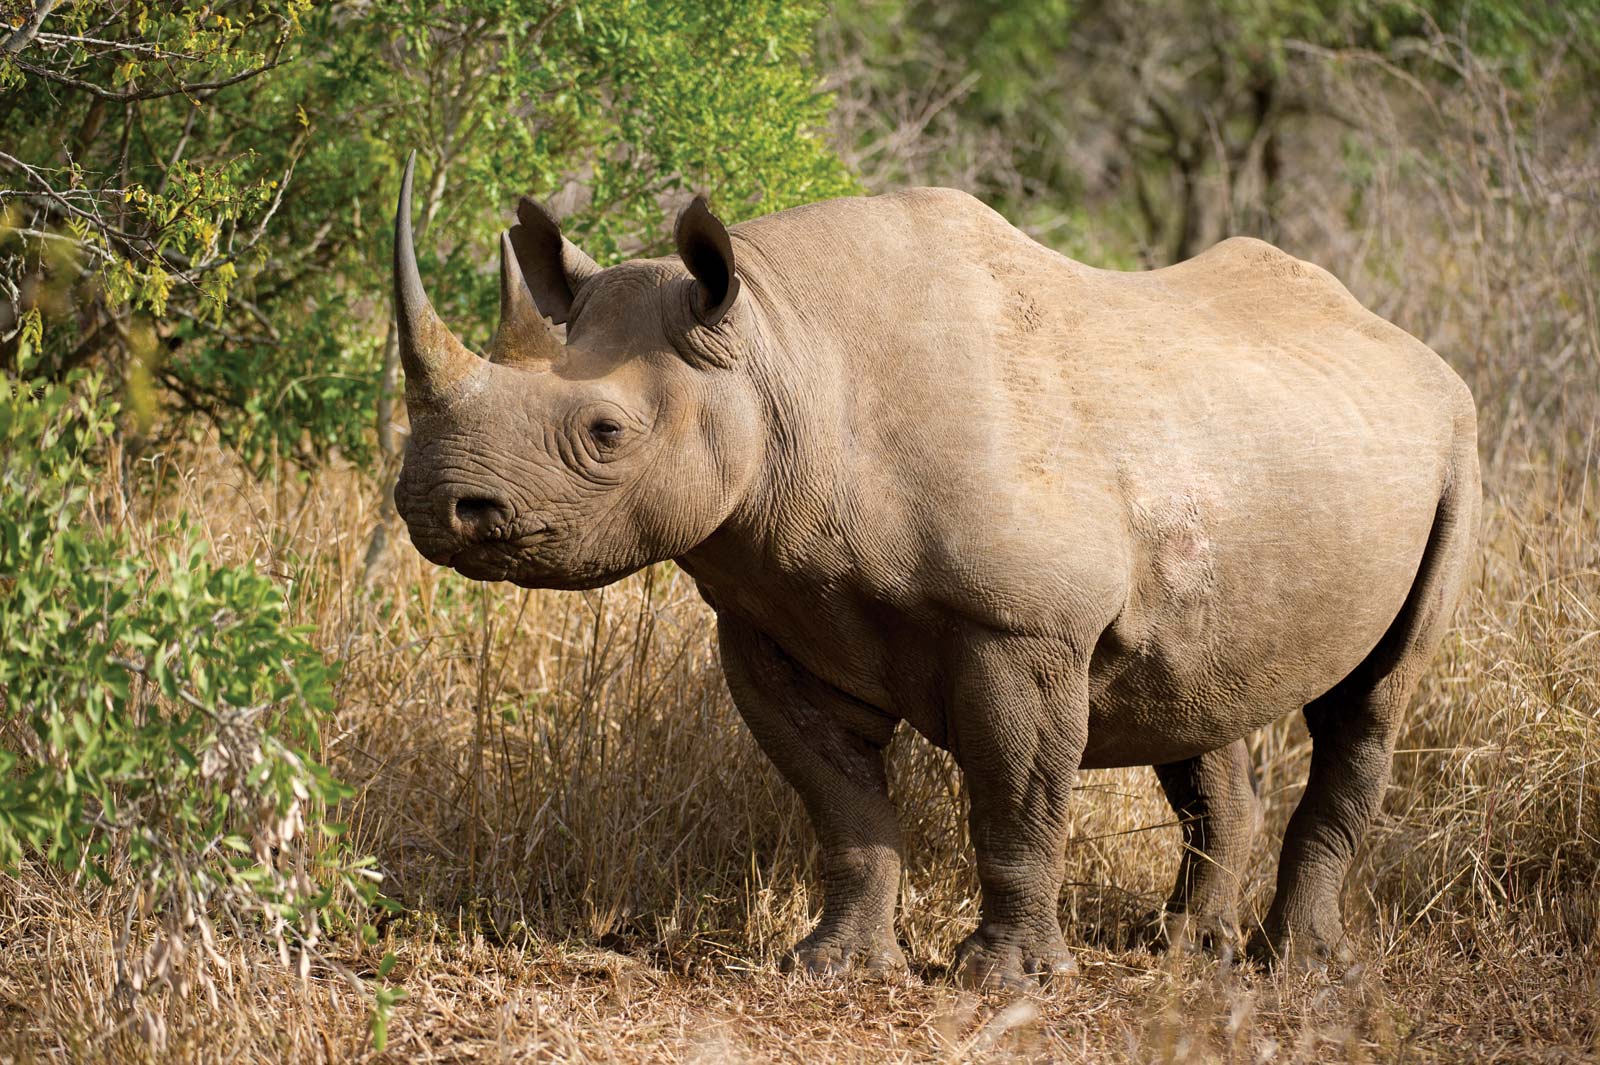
(834, 953)
(1210, 934)
(1002, 958)
(1299, 950)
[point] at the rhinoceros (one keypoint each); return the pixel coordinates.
(1052, 517)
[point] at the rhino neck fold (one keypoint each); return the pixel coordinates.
(800, 556)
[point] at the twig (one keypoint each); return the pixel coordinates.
(190, 89)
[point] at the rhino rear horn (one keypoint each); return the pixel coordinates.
(522, 335)
(707, 250)
(553, 267)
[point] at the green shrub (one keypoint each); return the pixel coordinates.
(159, 731)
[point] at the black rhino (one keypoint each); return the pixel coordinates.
(926, 470)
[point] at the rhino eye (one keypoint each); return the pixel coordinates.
(605, 431)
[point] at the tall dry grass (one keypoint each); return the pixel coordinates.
(599, 864)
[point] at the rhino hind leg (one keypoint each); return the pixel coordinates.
(1214, 798)
(1353, 729)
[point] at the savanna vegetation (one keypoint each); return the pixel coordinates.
(272, 788)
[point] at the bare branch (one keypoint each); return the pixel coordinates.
(115, 46)
(50, 191)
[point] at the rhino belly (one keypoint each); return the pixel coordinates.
(1230, 629)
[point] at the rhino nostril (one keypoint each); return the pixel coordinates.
(478, 515)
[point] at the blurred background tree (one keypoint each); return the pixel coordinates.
(1167, 121)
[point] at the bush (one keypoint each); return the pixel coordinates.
(159, 731)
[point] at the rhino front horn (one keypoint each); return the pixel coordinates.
(434, 359)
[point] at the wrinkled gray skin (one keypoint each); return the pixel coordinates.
(1052, 517)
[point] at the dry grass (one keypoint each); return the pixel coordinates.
(544, 1000)
(600, 865)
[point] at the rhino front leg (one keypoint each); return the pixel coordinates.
(1214, 799)
(1019, 720)
(830, 749)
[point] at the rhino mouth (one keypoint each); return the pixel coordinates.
(499, 556)
(524, 555)
(475, 566)
(566, 581)
(528, 573)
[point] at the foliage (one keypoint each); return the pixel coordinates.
(161, 717)
(208, 207)
(132, 216)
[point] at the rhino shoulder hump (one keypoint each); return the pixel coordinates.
(1257, 256)
(934, 202)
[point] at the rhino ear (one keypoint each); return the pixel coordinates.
(705, 248)
(551, 264)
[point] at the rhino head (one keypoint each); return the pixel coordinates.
(571, 465)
